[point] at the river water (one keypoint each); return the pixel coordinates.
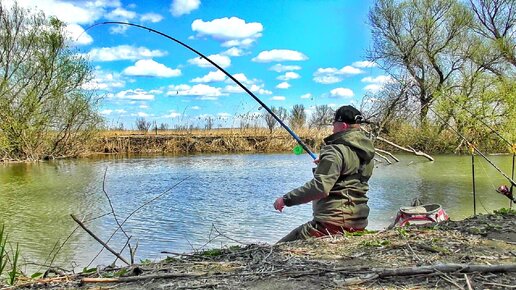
(205, 201)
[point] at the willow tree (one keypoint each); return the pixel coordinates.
(270, 121)
(43, 108)
(420, 39)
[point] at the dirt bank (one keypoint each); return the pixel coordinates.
(476, 253)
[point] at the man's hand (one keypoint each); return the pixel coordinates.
(279, 204)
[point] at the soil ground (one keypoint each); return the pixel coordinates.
(475, 253)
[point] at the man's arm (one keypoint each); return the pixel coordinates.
(325, 176)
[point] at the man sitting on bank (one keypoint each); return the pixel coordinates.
(339, 186)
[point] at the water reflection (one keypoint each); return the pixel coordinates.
(232, 193)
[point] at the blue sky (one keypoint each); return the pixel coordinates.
(286, 51)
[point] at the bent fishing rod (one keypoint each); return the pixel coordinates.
(294, 135)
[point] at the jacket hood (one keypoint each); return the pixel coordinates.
(354, 138)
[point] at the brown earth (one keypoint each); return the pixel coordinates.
(475, 253)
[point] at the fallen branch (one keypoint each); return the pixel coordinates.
(383, 157)
(388, 153)
(411, 150)
(98, 240)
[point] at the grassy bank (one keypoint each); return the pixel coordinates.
(259, 140)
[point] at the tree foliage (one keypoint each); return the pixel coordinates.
(451, 61)
(43, 108)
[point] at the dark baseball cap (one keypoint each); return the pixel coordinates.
(348, 114)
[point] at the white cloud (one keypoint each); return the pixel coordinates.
(202, 90)
(104, 81)
(77, 34)
(283, 85)
(79, 12)
(172, 115)
(239, 42)
(374, 88)
(195, 108)
(333, 75)
(123, 52)
(341, 93)
(278, 98)
(306, 96)
(364, 64)
(143, 106)
(289, 76)
(229, 29)
(142, 114)
(234, 51)
(280, 55)
(121, 111)
(213, 76)
(106, 112)
(233, 89)
(224, 115)
(182, 7)
(120, 14)
(383, 79)
(222, 60)
(135, 95)
(151, 17)
(148, 67)
(281, 68)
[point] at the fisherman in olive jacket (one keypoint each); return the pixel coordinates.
(338, 189)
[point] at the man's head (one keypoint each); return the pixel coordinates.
(346, 117)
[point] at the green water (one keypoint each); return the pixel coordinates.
(232, 194)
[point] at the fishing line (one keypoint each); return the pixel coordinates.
(475, 148)
(294, 135)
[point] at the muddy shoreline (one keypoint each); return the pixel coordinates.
(475, 253)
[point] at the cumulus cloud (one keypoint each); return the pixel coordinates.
(222, 60)
(104, 81)
(279, 55)
(201, 90)
(364, 64)
(288, 76)
(213, 76)
(149, 67)
(79, 12)
(123, 52)
(195, 108)
(182, 7)
(383, 79)
(235, 89)
(120, 14)
(283, 85)
(306, 96)
(151, 17)
(77, 34)
(172, 114)
(134, 95)
(376, 84)
(281, 68)
(106, 112)
(278, 98)
(341, 93)
(333, 75)
(232, 31)
(234, 51)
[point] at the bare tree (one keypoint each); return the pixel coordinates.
(142, 124)
(280, 112)
(297, 116)
(423, 39)
(321, 117)
(496, 21)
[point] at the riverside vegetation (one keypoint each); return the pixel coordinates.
(450, 69)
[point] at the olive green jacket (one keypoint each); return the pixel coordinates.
(338, 189)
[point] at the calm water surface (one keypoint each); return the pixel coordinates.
(207, 195)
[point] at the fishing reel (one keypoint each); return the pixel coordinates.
(503, 189)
